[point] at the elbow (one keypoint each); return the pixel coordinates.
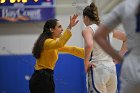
(89, 46)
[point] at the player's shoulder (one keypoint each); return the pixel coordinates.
(87, 28)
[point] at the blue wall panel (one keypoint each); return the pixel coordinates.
(15, 71)
(70, 75)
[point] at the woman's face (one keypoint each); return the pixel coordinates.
(57, 31)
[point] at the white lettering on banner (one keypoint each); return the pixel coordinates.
(32, 14)
(9, 13)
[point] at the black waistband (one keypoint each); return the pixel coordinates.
(50, 71)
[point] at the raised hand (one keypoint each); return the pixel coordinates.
(73, 21)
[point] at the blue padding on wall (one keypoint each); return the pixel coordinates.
(15, 71)
(70, 75)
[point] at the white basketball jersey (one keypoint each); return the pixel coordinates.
(98, 53)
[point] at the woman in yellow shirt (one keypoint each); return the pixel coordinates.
(46, 50)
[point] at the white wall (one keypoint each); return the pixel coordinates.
(18, 38)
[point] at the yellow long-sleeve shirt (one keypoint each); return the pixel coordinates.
(49, 54)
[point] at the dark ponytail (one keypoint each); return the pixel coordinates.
(38, 46)
(91, 12)
(95, 12)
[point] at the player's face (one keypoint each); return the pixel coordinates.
(57, 31)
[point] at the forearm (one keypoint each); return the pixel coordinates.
(101, 38)
(87, 56)
(65, 37)
(76, 51)
(108, 49)
(58, 43)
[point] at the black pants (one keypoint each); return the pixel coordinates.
(42, 82)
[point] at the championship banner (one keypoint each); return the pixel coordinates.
(26, 10)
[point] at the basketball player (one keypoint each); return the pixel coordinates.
(127, 13)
